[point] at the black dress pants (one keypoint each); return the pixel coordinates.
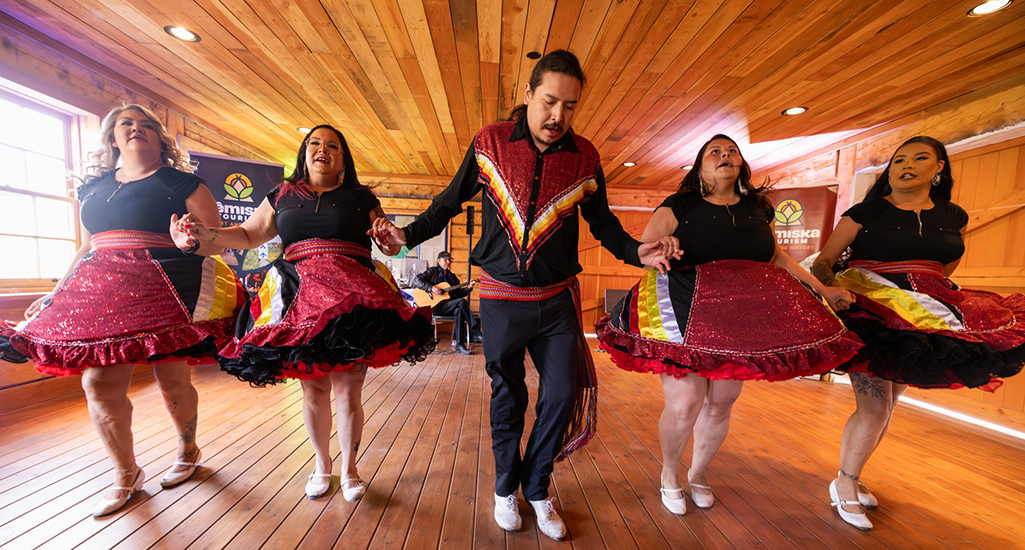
(459, 309)
(550, 331)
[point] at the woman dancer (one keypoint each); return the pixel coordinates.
(325, 311)
(919, 328)
(132, 297)
(727, 312)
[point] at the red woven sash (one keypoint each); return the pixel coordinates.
(907, 266)
(123, 238)
(315, 247)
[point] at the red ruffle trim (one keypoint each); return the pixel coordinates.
(285, 335)
(54, 358)
(635, 354)
(383, 357)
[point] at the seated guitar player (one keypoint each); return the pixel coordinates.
(457, 304)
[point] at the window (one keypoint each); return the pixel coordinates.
(38, 217)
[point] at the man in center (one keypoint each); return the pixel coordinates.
(535, 173)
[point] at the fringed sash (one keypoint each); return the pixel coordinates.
(123, 238)
(585, 407)
(313, 247)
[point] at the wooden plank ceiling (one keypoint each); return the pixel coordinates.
(410, 81)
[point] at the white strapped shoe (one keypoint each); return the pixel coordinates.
(318, 485)
(354, 493)
(108, 505)
(701, 500)
(866, 498)
(677, 505)
(858, 520)
(172, 478)
(548, 520)
(507, 513)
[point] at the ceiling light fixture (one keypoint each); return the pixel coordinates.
(533, 55)
(987, 8)
(629, 164)
(687, 166)
(181, 33)
(794, 111)
(303, 130)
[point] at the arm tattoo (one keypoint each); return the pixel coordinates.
(823, 273)
(867, 385)
(214, 233)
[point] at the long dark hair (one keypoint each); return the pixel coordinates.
(940, 191)
(692, 181)
(298, 182)
(558, 61)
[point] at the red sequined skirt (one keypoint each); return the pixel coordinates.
(725, 320)
(134, 298)
(325, 307)
(923, 330)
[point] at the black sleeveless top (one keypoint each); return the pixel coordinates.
(709, 232)
(889, 234)
(337, 214)
(141, 205)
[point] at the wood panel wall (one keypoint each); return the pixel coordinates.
(988, 182)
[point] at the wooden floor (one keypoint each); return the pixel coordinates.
(427, 459)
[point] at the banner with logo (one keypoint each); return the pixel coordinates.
(239, 186)
(804, 219)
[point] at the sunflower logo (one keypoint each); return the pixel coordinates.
(789, 212)
(238, 187)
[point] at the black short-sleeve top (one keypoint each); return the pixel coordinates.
(141, 205)
(890, 234)
(710, 232)
(341, 213)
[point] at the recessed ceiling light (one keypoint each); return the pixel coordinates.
(181, 33)
(687, 166)
(987, 8)
(303, 130)
(533, 55)
(793, 111)
(629, 164)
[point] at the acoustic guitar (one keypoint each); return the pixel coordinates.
(429, 299)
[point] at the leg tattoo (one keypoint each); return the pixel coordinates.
(190, 431)
(867, 385)
(172, 407)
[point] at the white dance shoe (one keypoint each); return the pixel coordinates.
(354, 492)
(109, 505)
(318, 485)
(865, 497)
(676, 505)
(507, 513)
(548, 520)
(858, 520)
(701, 500)
(172, 478)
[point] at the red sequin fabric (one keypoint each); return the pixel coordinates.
(332, 285)
(746, 321)
(118, 306)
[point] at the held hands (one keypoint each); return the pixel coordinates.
(189, 230)
(657, 254)
(386, 234)
(838, 298)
